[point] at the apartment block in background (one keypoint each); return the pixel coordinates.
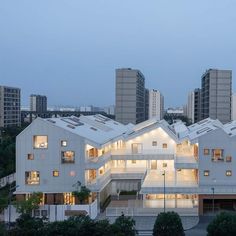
(156, 104)
(9, 106)
(38, 103)
(216, 95)
(130, 96)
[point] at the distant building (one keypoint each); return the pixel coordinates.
(146, 104)
(197, 105)
(110, 110)
(156, 104)
(38, 103)
(130, 96)
(190, 107)
(233, 108)
(9, 106)
(216, 95)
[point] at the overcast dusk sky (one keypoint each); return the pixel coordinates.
(68, 50)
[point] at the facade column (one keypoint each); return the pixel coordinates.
(175, 200)
(175, 177)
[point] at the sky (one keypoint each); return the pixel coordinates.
(68, 50)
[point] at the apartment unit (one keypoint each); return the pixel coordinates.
(38, 103)
(130, 96)
(9, 106)
(156, 104)
(216, 95)
(172, 165)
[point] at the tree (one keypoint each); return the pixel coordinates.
(74, 226)
(103, 228)
(124, 226)
(83, 194)
(2, 229)
(223, 224)
(32, 203)
(27, 225)
(168, 224)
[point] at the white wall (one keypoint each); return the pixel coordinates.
(47, 160)
(212, 140)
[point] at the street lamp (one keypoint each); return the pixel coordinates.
(164, 174)
(213, 200)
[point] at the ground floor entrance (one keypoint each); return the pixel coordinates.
(209, 204)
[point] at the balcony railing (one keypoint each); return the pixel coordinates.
(154, 151)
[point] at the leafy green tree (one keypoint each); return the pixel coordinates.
(223, 224)
(83, 194)
(103, 228)
(74, 226)
(124, 226)
(168, 224)
(3, 231)
(28, 226)
(32, 203)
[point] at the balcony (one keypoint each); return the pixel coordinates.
(145, 154)
(186, 162)
(97, 162)
(100, 182)
(175, 182)
(127, 173)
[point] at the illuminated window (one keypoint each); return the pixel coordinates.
(164, 145)
(68, 157)
(55, 173)
(32, 177)
(228, 173)
(228, 159)
(154, 143)
(164, 165)
(217, 154)
(206, 151)
(69, 199)
(63, 143)
(30, 156)
(206, 172)
(133, 162)
(40, 141)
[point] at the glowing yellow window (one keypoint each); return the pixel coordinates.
(55, 173)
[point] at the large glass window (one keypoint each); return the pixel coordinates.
(40, 141)
(68, 157)
(32, 177)
(137, 148)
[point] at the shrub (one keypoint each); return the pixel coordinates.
(223, 224)
(168, 224)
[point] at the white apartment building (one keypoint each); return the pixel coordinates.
(173, 165)
(190, 106)
(156, 104)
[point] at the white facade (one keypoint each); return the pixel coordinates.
(156, 104)
(109, 157)
(190, 107)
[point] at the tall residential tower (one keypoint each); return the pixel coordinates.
(156, 104)
(9, 106)
(130, 96)
(38, 103)
(216, 95)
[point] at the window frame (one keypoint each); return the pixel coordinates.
(154, 143)
(228, 173)
(63, 158)
(206, 151)
(28, 156)
(34, 137)
(206, 173)
(26, 177)
(63, 141)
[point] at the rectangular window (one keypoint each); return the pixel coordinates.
(206, 172)
(228, 159)
(69, 199)
(228, 173)
(217, 154)
(32, 177)
(133, 161)
(55, 173)
(154, 143)
(164, 145)
(68, 157)
(206, 151)
(137, 148)
(40, 141)
(63, 143)
(30, 156)
(164, 165)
